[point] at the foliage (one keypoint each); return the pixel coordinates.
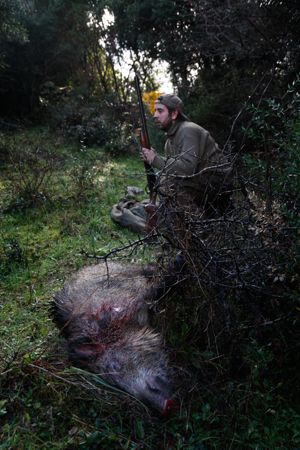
(29, 171)
(11, 27)
(67, 44)
(94, 129)
(232, 332)
(149, 99)
(52, 51)
(217, 55)
(190, 34)
(247, 402)
(274, 132)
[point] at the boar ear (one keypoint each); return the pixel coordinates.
(85, 350)
(58, 312)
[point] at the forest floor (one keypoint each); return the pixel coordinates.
(47, 227)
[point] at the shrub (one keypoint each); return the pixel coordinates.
(88, 121)
(30, 170)
(275, 163)
(11, 254)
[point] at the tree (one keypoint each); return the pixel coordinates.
(11, 28)
(53, 51)
(215, 45)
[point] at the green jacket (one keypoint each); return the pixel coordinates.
(193, 160)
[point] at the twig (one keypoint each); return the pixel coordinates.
(114, 251)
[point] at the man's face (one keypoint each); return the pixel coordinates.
(162, 117)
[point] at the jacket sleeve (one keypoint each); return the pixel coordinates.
(186, 149)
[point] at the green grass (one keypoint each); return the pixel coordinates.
(45, 404)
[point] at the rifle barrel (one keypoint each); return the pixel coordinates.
(150, 174)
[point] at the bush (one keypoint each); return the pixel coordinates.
(30, 170)
(11, 254)
(87, 120)
(274, 165)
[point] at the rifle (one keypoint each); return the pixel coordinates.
(145, 142)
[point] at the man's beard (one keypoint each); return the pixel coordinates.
(165, 127)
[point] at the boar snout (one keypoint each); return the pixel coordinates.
(153, 390)
(159, 391)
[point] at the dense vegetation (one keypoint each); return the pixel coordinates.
(67, 153)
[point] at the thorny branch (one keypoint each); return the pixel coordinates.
(131, 245)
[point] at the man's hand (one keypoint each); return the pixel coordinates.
(147, 155)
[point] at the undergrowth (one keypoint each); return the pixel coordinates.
(45, 403)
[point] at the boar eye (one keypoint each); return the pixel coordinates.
(156, 384)
(152, 387)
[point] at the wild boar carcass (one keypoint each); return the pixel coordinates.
(103, 315)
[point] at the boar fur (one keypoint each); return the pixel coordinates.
(103, 315)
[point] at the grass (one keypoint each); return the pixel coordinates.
(44, 403)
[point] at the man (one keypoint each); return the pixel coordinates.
(194, 169)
